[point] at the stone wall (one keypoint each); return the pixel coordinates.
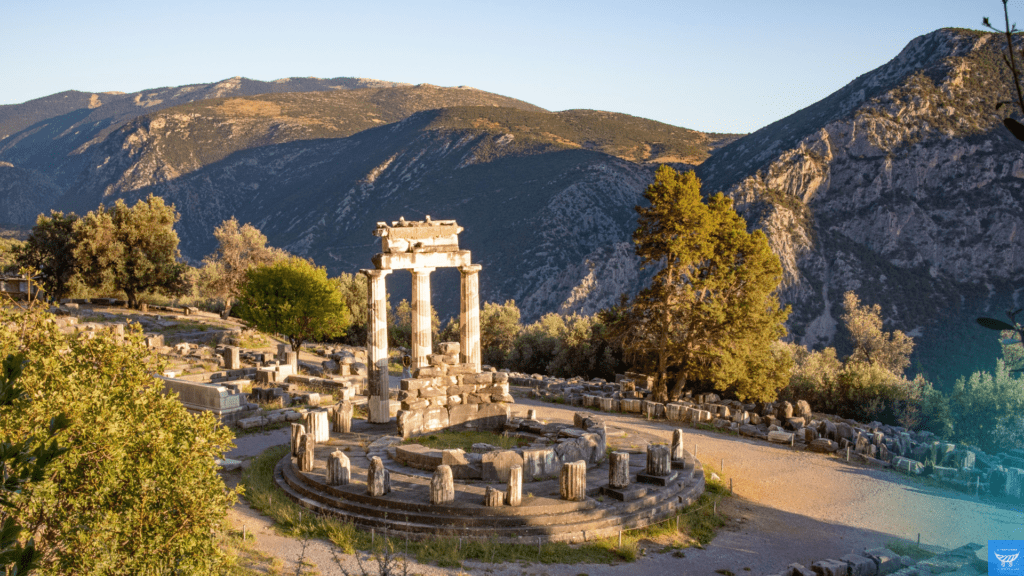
(451, 395)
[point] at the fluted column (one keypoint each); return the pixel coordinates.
(377, 346)
(421, 345)
(572, 481)
(469, 317)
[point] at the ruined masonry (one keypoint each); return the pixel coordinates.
(448, 390)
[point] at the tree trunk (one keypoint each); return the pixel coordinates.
(661, 386)
(677, 390)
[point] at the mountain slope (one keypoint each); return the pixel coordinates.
(904, 187)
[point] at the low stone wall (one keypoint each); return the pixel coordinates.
(963, 468)
(228, 404)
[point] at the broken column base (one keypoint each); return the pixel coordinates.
(625, 494)
(657, 480)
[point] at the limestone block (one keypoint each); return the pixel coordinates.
(482, 378)
(339, 471)
(435, 418)
(449, 348)
(442, 486)
(540, 463)
(493, 497)
(501, 378)
(298, 430)
(802, 408)
(618, 470)
(341, 422)
(823, 445)
(658, 461)
(514, 494)
(410, 422)
(492, 416)
(570, 451)
(462, 414)
(378, 480)
(307, 444)
(859, 565)
(531, 415)
(886, 560)
(907, 465)
(677, 445)
(497, 465)
(572, 481)
(830, 568)
(780, 437)
(653, 409)
(318, 425)
(418, 404)
(631, 405)
(675, 411)
(609, 404)
(963, 459)
(784, 411)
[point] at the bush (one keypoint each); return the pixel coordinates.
(137, 490)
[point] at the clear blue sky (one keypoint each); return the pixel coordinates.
(710, 65)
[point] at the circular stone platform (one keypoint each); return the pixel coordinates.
(542, 516)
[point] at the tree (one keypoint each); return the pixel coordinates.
(9, 250)
(238, 249)
(711, 311)
(133, 249)
(400, 325)
(354, 293)
(137, 490)
(50, 251)
(890, 350)
(499, 328)
(294, 298)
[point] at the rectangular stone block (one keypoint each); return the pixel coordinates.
(418, 404)
(780, 437)
(675, 411)
(462, 369)
(491, 416)
(609, 404)
(859, 565)
(409, 423)
(497, 465)
(452, 348)
(482, 378)
(632, 405)
(540, 463)
(429, 372)
(415, 383)
(1014, 482)
(461, 414)
(435, 418)
(432, 392)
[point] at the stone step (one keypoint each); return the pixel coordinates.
(564, 526)
(470, 501)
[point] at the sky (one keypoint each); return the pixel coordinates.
(709, 65)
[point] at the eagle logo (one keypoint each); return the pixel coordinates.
(1006, 559)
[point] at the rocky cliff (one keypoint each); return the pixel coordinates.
(904, 187)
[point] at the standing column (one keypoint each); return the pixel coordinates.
(421, 345)
(469, 318)
(377, 346)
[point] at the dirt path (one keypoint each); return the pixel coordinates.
(791, 506)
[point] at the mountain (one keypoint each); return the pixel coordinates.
(904, 187)
(546, 198)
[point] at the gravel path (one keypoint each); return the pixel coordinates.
(791, 506)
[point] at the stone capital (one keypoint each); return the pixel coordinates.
(425, 270)
(470, 269)
(374, 273)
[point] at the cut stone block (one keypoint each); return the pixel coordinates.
(338, 469)
(442, 486)
(498, 465)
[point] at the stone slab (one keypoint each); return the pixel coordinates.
(657, 480)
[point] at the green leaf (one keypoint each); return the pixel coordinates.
(993, 324)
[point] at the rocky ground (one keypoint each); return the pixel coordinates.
(790, 506)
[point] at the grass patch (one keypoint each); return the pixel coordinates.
(292, 520)
(465, 440)
(909, 549)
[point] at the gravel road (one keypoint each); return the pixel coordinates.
(791, 506)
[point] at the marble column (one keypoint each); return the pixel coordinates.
(421, 345)
(377, 346)
(469, 317)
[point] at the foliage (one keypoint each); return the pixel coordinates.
(499, 328)
(869, 384)
(137, 490)
(133, 249)
(400, 325)
(294, 298)
(711, 311)
(238, 249)
(980, 403)
(354, 293)
(9, 249)
(50, 250)
(871, 345)
(22, 461)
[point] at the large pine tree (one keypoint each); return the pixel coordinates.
(711, 311)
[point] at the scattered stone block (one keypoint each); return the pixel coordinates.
(493, 497)
(830, 568)
(497, 465)
(307, 444)
(298, 430)
(859, 565)
(514, 494)
(779, 437)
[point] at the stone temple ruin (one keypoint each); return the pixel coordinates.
(578, 489)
